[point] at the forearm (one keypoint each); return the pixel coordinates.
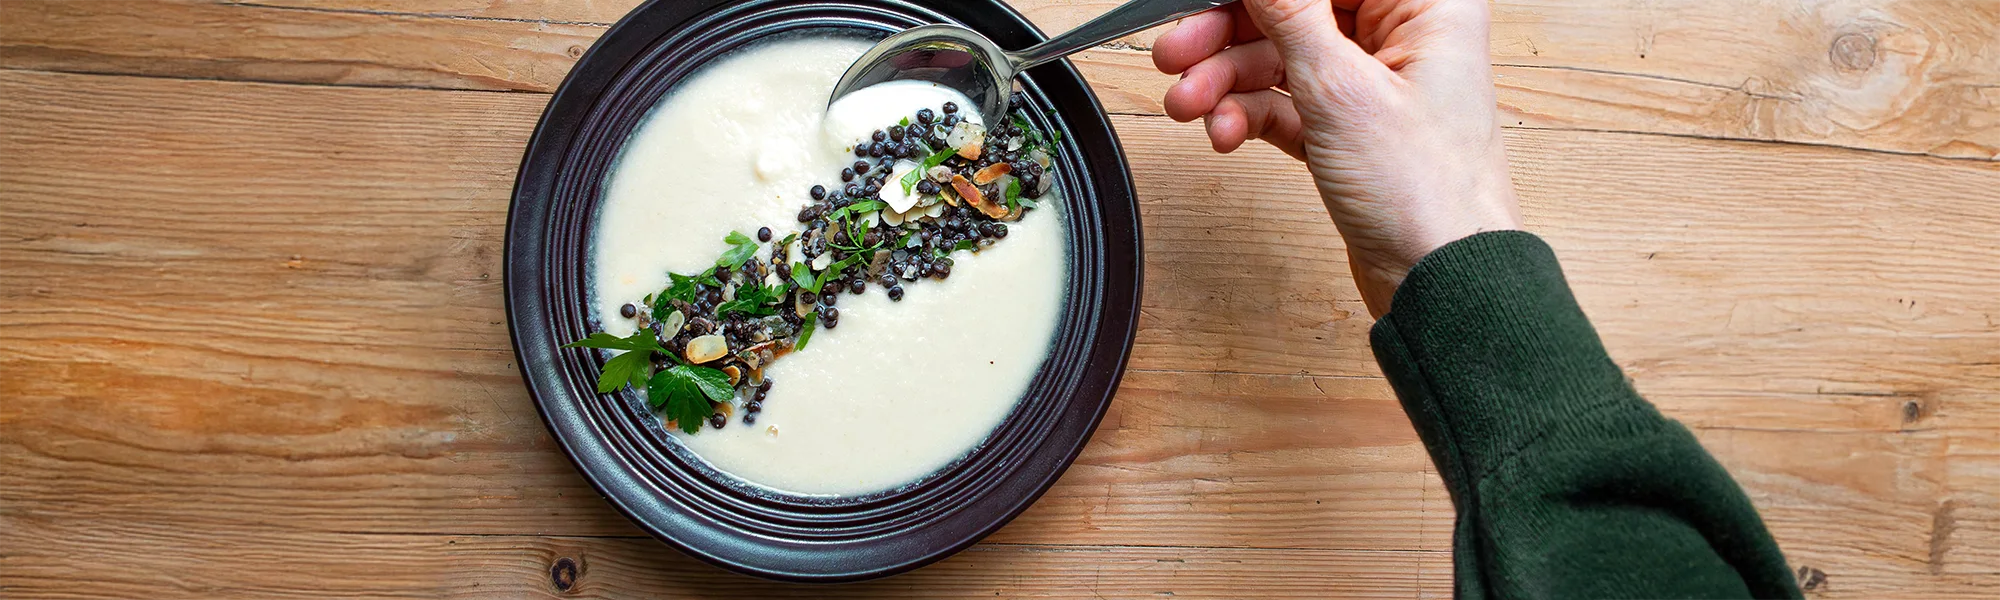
(1567, 482)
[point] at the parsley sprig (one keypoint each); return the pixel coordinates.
(686, 393)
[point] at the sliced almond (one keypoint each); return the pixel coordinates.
(966, 191)
(735, 374)
(977, 200)
(935, 211)
(969, 138)
(991, 172)
(706, 348)
(892, 218)
(672, 326)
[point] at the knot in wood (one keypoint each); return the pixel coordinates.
(1853, 52)
(563, 573)
(1811, 578)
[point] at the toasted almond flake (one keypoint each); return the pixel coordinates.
(991, 172)
(966, 191)
(821, 262)
(976, 199)
(935, 211)
(892, 218)
(735, 374)
(706, 348)
(969, 138)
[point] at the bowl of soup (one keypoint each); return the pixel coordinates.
(817, 343)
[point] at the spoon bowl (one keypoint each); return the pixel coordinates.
(949, 55)
(964, 60)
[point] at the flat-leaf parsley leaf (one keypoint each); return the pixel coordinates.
(741, 249)
(630, 367)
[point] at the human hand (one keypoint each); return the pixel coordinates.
(1389, 103)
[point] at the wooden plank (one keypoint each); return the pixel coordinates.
(1905, 76)
(212, 40)
(1912, 76)
(138, 560)
(364, 385)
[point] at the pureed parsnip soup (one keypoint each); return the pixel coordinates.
(826, 302)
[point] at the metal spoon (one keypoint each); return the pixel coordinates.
(964, 60)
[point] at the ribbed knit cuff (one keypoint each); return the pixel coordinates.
(1490, 354)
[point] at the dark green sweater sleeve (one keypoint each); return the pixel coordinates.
(1567, 483)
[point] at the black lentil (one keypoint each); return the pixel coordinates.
(763, 234)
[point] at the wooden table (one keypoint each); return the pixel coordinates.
(252, 341)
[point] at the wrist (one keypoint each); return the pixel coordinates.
(1381, 262)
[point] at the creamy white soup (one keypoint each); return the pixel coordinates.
(899, 389)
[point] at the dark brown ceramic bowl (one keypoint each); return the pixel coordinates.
(648, 474)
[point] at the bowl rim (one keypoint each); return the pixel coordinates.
(1111, 329)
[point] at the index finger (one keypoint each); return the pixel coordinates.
(1202, 35)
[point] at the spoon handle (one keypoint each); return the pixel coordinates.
(1128, 18)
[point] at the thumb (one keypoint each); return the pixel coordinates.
(1318, 57)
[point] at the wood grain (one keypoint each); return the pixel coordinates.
(1903, 76)
(365, 385)
(238, 359)
(166, 563)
